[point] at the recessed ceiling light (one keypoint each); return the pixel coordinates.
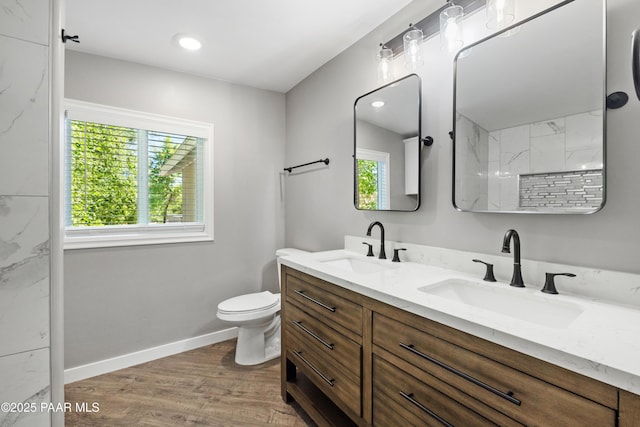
(377, 104)
(188, 41)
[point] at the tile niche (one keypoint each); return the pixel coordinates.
(552, 163)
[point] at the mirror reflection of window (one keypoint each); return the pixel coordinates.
(386, 149)
(373, 179)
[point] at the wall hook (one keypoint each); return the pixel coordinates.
(65, 37)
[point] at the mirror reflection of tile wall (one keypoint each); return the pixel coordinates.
(572, 143)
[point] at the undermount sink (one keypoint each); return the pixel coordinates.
(357, 265)
(517, 303)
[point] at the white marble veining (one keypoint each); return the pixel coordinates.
(24, 119)
(24, 379)
(24, 200)
(24, 274)
(25, 19)
(471, 160)
(584, 131)
(602, 342)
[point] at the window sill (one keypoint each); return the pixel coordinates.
(106, 237)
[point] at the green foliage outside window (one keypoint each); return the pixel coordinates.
(367, 184)
(104, 177)
(165, 192)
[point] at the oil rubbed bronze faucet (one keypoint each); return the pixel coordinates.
(382, 254)
(516, 279)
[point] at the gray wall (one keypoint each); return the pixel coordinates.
(319, 207)
(121, 300)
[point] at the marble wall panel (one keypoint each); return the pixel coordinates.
(472, 156)
(25, 380)
(25, 19)
(24, 119)
(547, 153)
(584, 131)
(24, 274)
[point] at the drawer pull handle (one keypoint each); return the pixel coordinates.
(320, 340)
(316, 370)
(507, 396)
(410, 398)
(315, 301)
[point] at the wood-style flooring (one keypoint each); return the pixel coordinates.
(202, 387)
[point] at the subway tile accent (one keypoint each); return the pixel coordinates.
(572, 189)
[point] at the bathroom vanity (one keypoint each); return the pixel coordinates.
(363, 358)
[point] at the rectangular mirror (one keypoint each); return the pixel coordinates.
(529, 115)
(387, 147)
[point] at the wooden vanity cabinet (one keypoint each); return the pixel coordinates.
(351, 360)
(322, 327)
(502, 392)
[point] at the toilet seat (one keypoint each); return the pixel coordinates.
(249, 306)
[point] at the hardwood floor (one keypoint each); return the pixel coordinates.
(202, 387)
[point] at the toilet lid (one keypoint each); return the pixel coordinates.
(250, 302)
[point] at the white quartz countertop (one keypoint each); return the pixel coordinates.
(603, 342)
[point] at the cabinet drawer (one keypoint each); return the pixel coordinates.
(335, 347)
(520, 396)
(344, 389)
(324, 304)
(400, 399)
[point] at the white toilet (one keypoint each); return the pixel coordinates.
(256, 316)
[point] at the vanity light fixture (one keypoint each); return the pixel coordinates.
(451, 28)
(408, 42)
(385, 70)
(188, 41)
(500, 13)
(411, 42)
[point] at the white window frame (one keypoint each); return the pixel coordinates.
(132, 235)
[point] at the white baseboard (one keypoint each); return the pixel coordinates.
(120, 362)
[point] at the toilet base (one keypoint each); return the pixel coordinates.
(258, 343)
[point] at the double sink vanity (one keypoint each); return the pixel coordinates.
(427, 341)
(432, 339)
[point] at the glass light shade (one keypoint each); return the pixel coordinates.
(411, 42)
(500, 13)
(451, 28)
(385, 68)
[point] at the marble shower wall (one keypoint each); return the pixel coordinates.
(24, 204)
(571, 143)
(472, 156)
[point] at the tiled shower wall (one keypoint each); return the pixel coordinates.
(24, 204)
(471, 164)
(571, 143)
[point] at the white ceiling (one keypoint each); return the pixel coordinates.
(268, 44)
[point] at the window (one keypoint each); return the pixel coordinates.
(373, 179)
(135, 178)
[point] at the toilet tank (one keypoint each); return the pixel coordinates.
(286, 252)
